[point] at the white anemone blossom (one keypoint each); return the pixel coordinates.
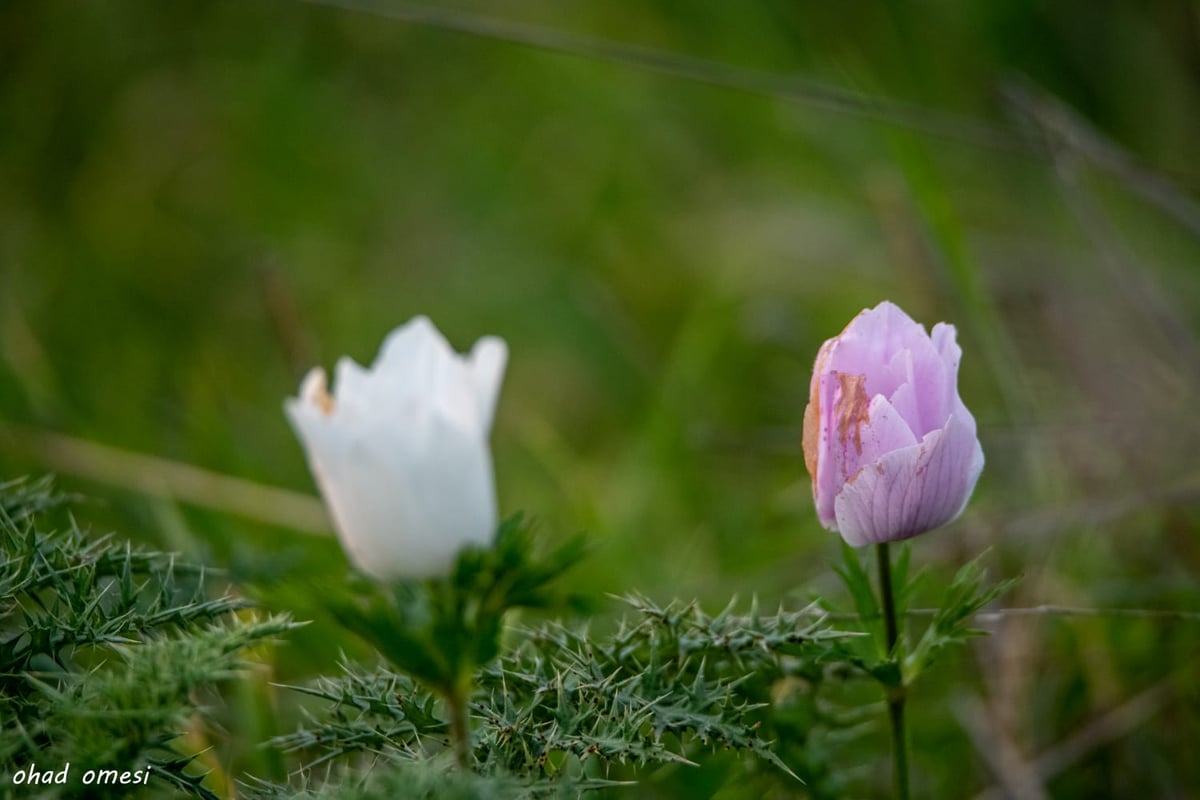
(400, 451)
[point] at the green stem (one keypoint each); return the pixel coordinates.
(460, 728)
(895, 695)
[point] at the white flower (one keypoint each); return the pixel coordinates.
(400, 451)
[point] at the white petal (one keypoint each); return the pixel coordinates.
(486, 367)
(406, 513)
(416, 350)
(400, 451)
(313, 391)
(351, 388)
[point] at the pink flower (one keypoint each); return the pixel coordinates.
(891, 448)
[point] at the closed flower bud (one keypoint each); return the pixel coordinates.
(400, 451)
(891, 448)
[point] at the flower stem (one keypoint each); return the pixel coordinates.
(895, 694)
(460, 729)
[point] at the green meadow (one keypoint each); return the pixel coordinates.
(664, 209)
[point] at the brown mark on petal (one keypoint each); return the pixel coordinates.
(322, 399)
(811, 439)
(853, 408)
(812, 434)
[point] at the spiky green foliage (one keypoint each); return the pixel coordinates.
(967, 594)
(63, 593)
(422, 780)
(109, 652)
(442, 630)
(668, 680)
(378, 712)
(669, 685)
(104, 648)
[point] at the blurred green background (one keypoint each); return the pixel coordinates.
(200, 200)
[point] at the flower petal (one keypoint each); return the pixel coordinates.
(416, 349)
(912, 490)
(485, 365)
(407, 512)
(893, 351)
(352, 389)
(856, 432)
(400, 452)
(870, 342)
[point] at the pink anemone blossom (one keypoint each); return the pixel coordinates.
(891, 448)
